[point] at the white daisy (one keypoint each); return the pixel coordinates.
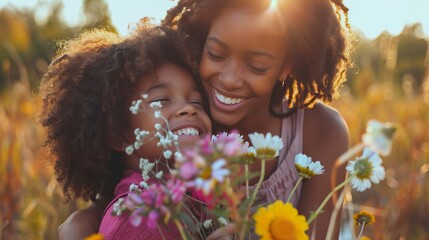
(365, 170)
(306, 167)
(268, 146)
(378, 136)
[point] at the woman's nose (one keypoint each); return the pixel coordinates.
(230, 76)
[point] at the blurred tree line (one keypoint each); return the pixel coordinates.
(401, 61)
(31, 204)
(27, 45)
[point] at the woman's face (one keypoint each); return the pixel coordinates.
(243, 57)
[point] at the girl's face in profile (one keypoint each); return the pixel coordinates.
(182, 106)
(243, 58)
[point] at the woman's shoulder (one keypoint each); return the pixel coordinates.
(324, 128)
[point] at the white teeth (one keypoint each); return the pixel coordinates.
(188, 131)
(227, 100)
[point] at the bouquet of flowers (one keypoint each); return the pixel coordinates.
(208, 186)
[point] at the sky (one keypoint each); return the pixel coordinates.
(370, 17)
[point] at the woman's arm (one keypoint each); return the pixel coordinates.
(325, 139)
(84, 222)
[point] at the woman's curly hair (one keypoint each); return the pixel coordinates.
(319, 55)
(85, 95)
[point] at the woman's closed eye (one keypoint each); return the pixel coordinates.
(257, 70)
(214, 55)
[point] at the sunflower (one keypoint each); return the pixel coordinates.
(95, 236)
(280, 221)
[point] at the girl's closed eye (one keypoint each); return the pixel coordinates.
(197, 102)
(161, 99)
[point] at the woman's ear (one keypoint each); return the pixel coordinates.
(286, 70)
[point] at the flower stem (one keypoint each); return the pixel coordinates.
(180, 228)
(242, 232)
(322, 205)
(258, 185)
(341, 160)
(350, 153)
(246, 169)
(160, 232)
(294, 188)
(361, 231)
(334, 213)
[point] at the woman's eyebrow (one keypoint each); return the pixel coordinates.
(218, 41)
(258, 53)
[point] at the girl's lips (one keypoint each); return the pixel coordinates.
(189, 135)
(188, 130)
(227, 104)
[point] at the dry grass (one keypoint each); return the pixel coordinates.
(31, 201)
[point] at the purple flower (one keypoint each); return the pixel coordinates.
(188, 170)
(206, 145)
(152, 219)
(136, 217)
(177, 190)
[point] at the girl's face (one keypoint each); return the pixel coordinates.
(243, 57)
(182, 106)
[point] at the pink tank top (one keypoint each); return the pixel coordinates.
(119, 227)
(280, 184)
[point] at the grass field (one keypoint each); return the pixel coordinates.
(31, 201)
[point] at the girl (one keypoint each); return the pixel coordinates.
(87, 92)
(264, 65)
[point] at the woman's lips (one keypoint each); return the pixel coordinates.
(226, 103)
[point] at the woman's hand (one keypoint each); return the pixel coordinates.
(223, 233)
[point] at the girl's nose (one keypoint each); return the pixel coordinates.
(186, 109)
